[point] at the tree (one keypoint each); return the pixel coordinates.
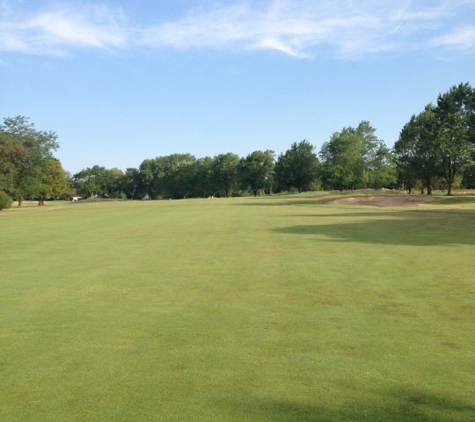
(36, 146)
(12, 157)
(178, 175)
(115, 183)
(342, 160)
(152, 172)
(98, 180)
(131, 184)
(91, 181)
(53, 181)
(416, 152)
(256, 171)
(203, 178)
(440, 141)
(456, 138)
(169, 176)
(350, 158)
(382, 170)
(225, 172)
(297, 167)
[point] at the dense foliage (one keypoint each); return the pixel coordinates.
(356, 158)
(435, 149)
(27, 166)
(298, 167)
(5, 201)
(439, 142)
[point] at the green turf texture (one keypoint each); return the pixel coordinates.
(283, 308)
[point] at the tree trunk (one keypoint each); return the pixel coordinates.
(429, 186)
(450, 179)
(449, 188)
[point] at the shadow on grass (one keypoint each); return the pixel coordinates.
(412, 228)
(454, 200)
(396, 406)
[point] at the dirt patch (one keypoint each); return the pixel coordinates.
(384, 201)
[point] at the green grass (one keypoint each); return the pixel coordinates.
(250, 309)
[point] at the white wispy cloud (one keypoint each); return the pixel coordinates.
(56, 32)
(345, 29)
(461, 38)
(298, 28)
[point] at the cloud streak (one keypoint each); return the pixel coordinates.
(300, 29)
(59, 31)
(462, 38)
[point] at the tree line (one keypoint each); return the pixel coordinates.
(435, 149)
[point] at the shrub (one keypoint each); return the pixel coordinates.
(5, 201)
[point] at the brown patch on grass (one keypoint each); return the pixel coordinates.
(384, 201)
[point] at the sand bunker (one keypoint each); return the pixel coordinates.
(384, 201)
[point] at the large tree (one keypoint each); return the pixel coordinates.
(91, 181)
(169, 176)
(342, 160)
(351, 157)
(12, 156)
(456, 138)
(440, 141)
(256, 171)
(203, 184)
(98, 180)
(180, 176)
(152, 173)
(53, 182)
(131, 184)
(36, 149)
(297, 167)
(417, 152)
(116, 183)
(225, 172)
(383, 171)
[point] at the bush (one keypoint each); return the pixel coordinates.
(5, 201)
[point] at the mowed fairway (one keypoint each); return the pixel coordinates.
(250, 309)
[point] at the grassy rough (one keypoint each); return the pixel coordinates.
(249, 309)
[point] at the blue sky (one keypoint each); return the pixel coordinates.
(123, 81)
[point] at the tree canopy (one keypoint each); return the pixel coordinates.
(439, 142)
(455, 113)
(298, 167)
(256, 171)
(356, 158)
(26, 161)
